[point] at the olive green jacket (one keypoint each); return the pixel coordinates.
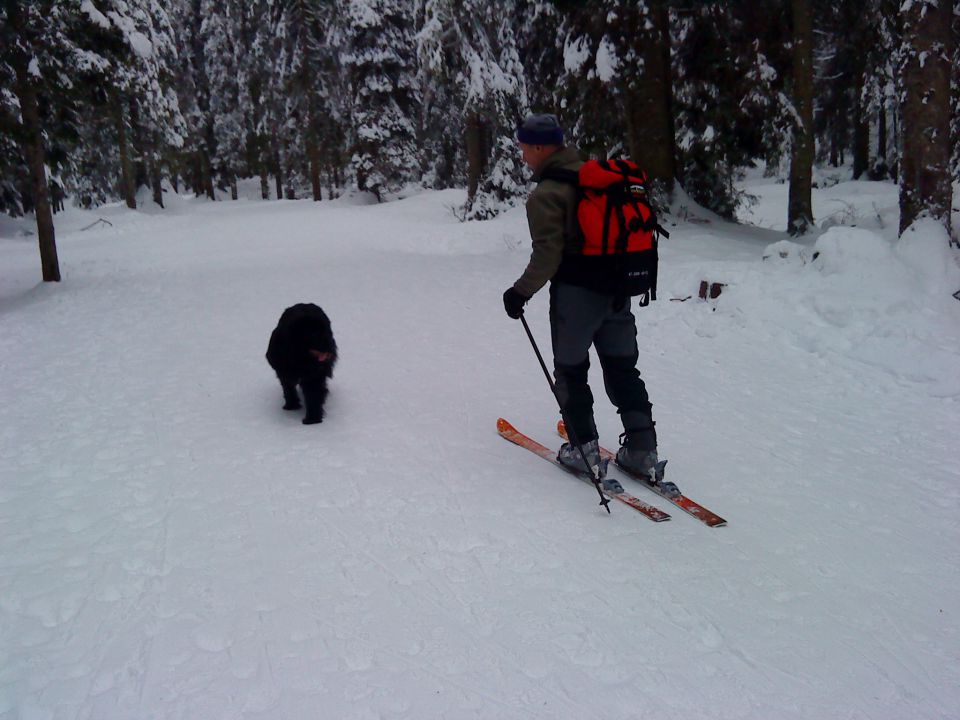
(551, 215)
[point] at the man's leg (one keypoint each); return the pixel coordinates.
(575, 316)
(616, 343)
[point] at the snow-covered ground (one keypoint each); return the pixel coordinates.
(174, 545)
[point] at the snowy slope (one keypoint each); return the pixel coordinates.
(177, 546)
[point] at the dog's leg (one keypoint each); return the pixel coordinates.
(291, 401)
(314, 396)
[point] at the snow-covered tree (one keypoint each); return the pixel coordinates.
(12, 167)
(313, 117)
(222, 33)
(540, 37)
(617, 81)
(856, 53)
(586, 88)
(502, 94)
(141, 84)
(468, 48)
(40, 51)
(192, 87)
(729, 107)
(380, 60)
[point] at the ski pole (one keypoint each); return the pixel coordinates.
(604, 500)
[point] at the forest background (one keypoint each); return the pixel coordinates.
(99, 98)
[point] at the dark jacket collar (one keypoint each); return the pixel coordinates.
(561, 158)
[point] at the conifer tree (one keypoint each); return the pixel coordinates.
(470, 46)
(314, 110)
(144, 83)
(11, 163)
(588, 90)
(727, 98)
(256, 89)
(223, 52)
(268, 94)
(35, 52)
(133, 125)
(881, 48)
(195, 160)
(503, 177)
(439, 130)
(542, 28)
(616, 57)
(379, 58)
(644, 43)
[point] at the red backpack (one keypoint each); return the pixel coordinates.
(618, 223)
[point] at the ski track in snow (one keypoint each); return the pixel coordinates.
(176, 546)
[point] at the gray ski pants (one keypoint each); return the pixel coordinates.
(580, 318)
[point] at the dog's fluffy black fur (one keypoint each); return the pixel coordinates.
(302, 334)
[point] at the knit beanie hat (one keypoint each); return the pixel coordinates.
(540, 130)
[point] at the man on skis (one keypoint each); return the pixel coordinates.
(585, 309)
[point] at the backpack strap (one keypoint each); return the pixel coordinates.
(639, 178)
(568, 177)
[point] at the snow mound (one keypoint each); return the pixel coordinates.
(855, 299)
(925, 248)
(787, 252)
(906, 271)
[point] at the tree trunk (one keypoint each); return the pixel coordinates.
(33, 149)
(895, 165)
(56, 196)
(138, 147)
(834, 145)
(206, 174)
(156, 178)
(277, 174)
(925, 164)
(649, 115)
(882, 139)
(800, 204)
(861, 131)
(126, 171)
(313, 156)
(475, 159)
(264, 182)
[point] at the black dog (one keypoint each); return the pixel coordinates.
(303, 352)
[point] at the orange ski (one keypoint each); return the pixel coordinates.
(682, 502)
(510, 433)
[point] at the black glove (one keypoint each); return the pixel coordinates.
(513, 302)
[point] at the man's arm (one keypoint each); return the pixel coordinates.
(546, 217)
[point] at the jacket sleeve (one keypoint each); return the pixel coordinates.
(547, 218)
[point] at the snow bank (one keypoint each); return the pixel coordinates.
(881, 302)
